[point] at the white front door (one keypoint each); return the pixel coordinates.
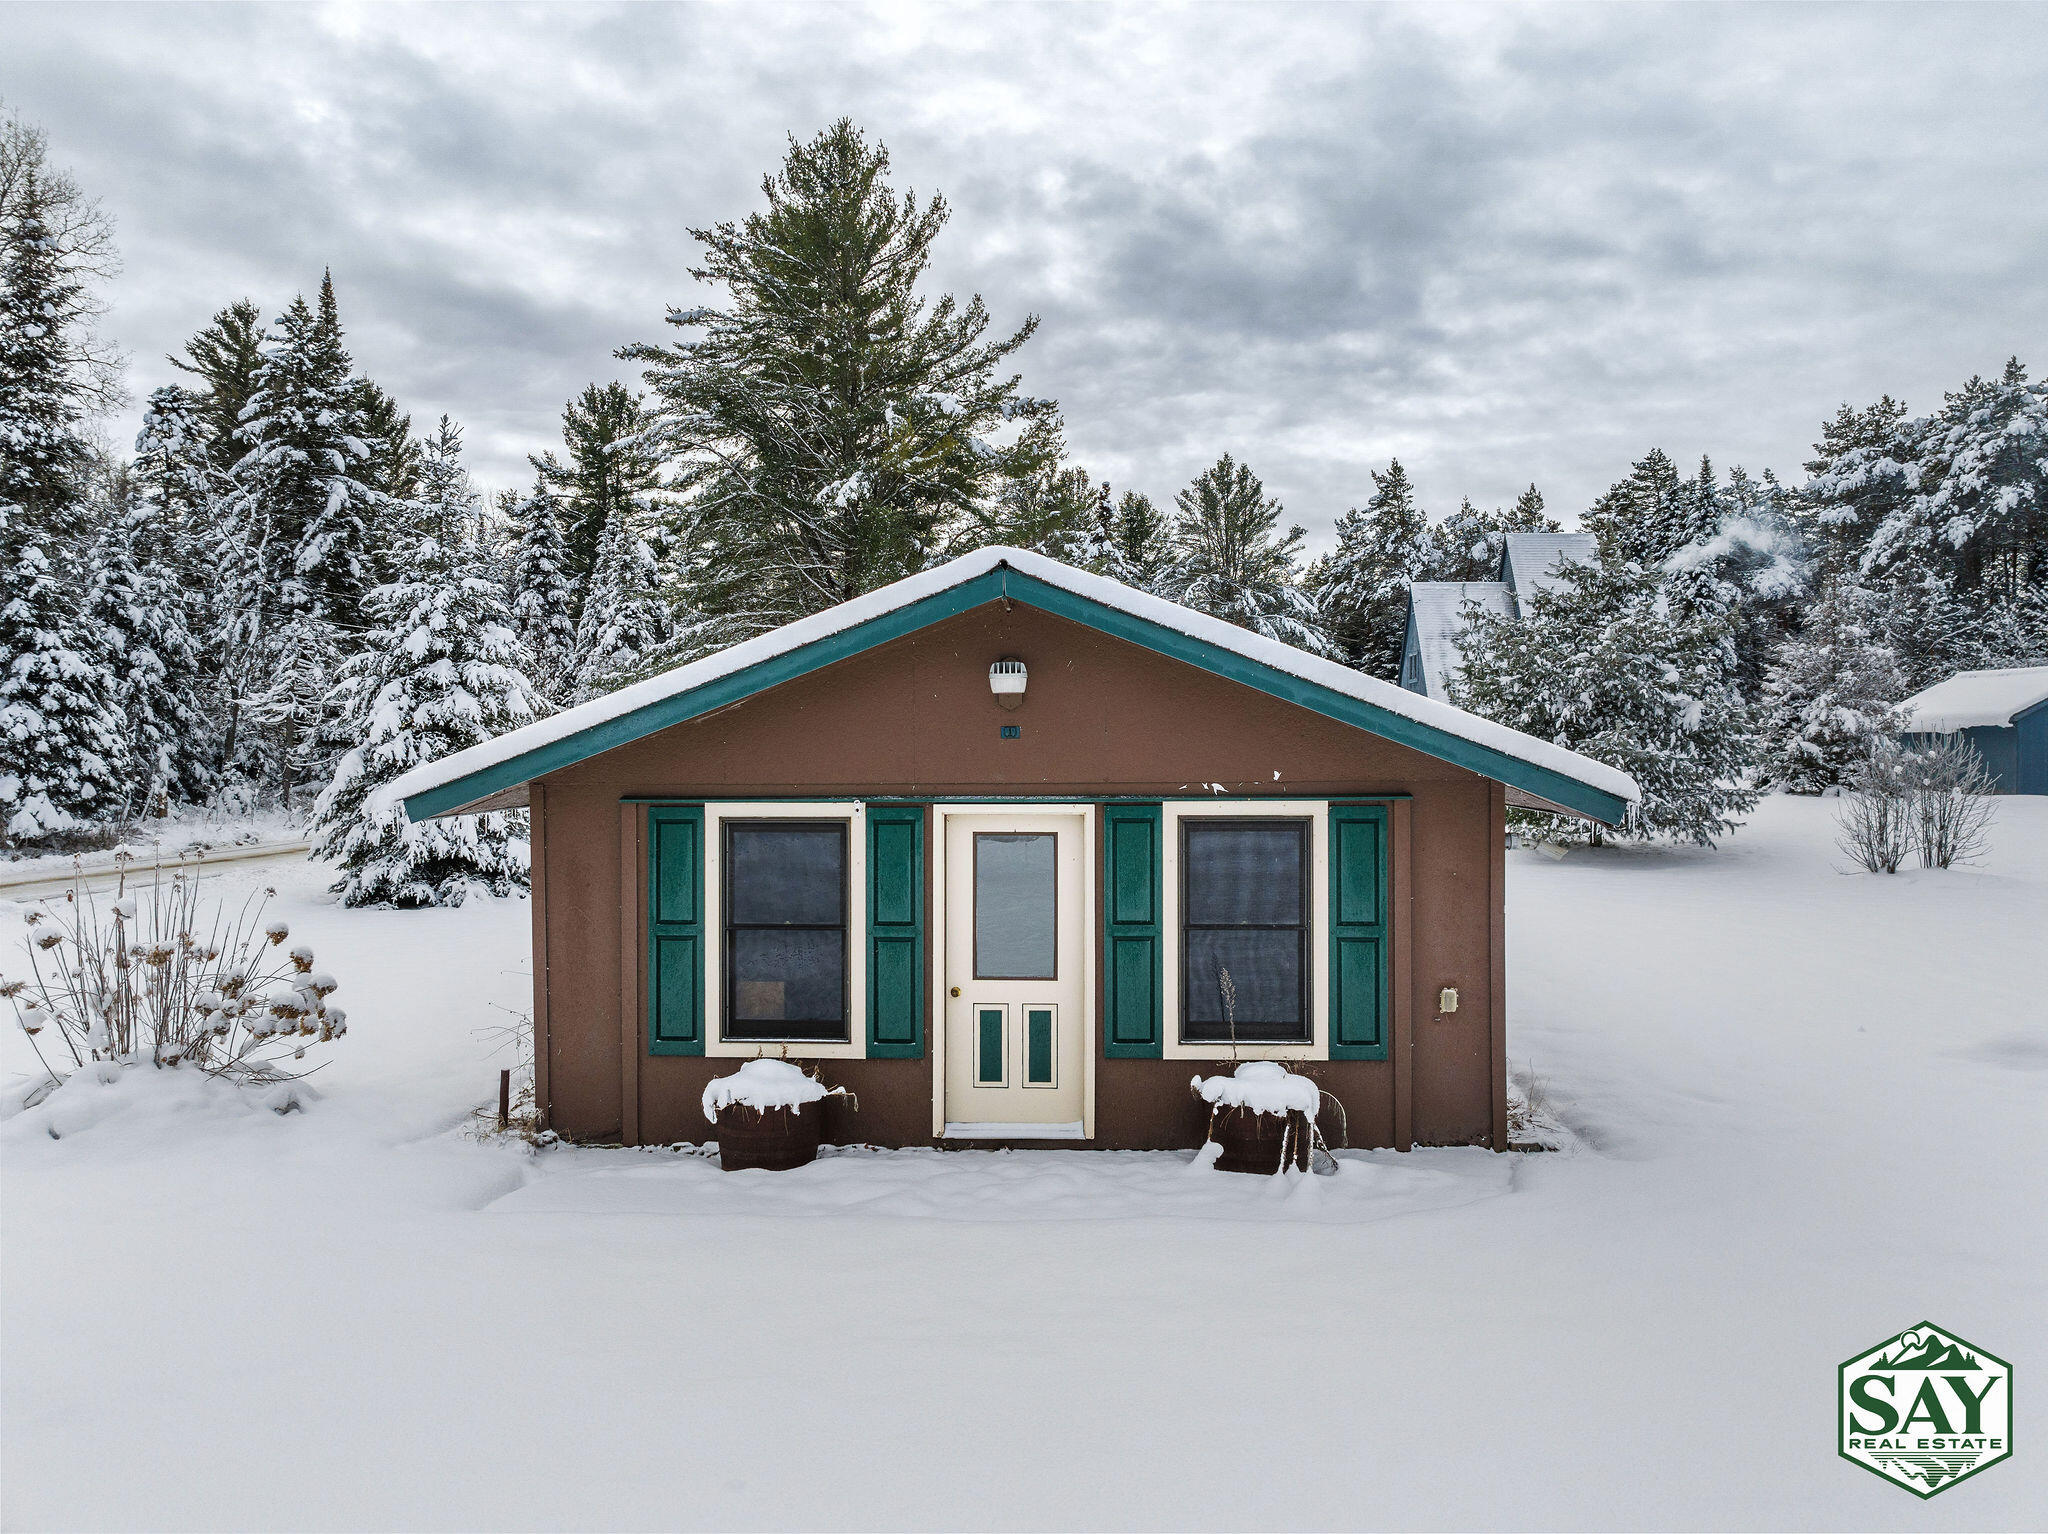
(1015, 994)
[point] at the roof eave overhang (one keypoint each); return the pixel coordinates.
(469, 792)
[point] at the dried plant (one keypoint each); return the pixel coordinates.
(1875, 819)
(1949, 790)
(156, 974)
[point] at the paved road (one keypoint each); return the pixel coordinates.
(100, 872)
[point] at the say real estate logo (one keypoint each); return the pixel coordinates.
(1926, 1409)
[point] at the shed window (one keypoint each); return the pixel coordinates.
(784, 905)
(1244, 915)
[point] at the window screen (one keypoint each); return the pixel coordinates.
(785, 930)
(1244, 917)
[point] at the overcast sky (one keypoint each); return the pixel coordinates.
(1503, 244)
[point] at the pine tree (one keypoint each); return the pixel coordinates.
(1981, 513)
(612, 468)
(443, 671)
(1056, 512)
(43, 457)
(829, 425)
(301, 483)
(1649, 516)
(1832, 692)
(544, 593)
(1360, 588)
(1231, 561)
(288, 726)
(1864, 467)
(226, 354)
(1468, 544)
(60, 742)
(1603, 663)
(140, 605)
(1144, 541)
(625, 625)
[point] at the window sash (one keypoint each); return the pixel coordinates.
(1299, 1030)
(790, 1030)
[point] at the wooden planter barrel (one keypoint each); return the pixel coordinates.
(1252, 1142)
(771, 1139)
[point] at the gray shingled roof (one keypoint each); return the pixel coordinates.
(1439, 615)
(1531, 562)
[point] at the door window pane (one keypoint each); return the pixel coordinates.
(1016, 919)
(1244, 931)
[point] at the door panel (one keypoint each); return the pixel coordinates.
(1014, 963)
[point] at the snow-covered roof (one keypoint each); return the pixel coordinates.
(466, 777)
(1531, 560)
(1973, 699)
(1439, 614)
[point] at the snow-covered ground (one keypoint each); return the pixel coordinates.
(1809, 1110)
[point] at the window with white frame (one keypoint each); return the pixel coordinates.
(785, 944)
(1245, 928)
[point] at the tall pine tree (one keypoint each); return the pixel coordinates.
(1832, 692)
(443, 671)
(545, 593)
(1231, 561)
(828, 423)
(1360, 587)
(611, 471)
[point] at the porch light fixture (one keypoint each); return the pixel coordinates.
(1006, 680)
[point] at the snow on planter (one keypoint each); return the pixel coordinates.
(762, 1084)
(1263, 1086)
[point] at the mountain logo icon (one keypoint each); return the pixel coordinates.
(1925, 1409)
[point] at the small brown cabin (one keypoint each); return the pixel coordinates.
(1011, 851)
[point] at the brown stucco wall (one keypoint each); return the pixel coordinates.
(1102, 717)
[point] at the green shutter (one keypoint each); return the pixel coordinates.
(1132, 948)
(675, 929)
(895, 931)
(1360, 996)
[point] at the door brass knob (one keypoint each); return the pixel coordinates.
(956, 990)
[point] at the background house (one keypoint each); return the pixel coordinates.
(1436, 609)
(2003, 713)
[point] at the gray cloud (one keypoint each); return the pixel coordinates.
(1506, 245)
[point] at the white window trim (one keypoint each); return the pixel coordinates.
(1317, 813)
(937, 925)
(716, 1045)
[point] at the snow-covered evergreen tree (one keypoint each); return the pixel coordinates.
(140, 605)
(301, 483)
(1604, 663)
(1360, 588)
(60, 742)
(1231, 561)
(1056, 512)
(1649, 516)
(225, 355)
(1981, 511)
(44, 458)
(828, 424)
(1468, 544)
(289, 717)
(1749, 560)
(545, 593)
(443, 671)
(1144, 542)
(626, 623)
(611, 469)
(1832, 692)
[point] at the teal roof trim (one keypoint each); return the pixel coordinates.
(989, 586)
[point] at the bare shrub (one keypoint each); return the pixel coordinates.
(1875, 818)
(1949, 789)
(152, 973)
